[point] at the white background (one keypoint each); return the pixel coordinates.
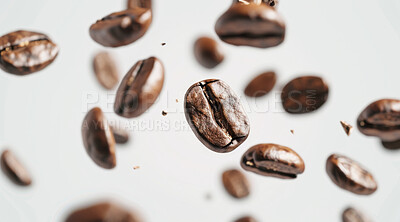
(353, 44)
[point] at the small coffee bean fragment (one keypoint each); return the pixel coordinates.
(103, 212)
(136, 167)
(304, 94)
(347, 127)
(14, 170)
(140, 3)
(353, 215)
(261, 85)
(292, 131)
(208, 52)
(105, 69)
(121, 135)
(349, 175)
(98, 139)
(25, 52)
(382, 119)
(236, 183)
(163, 44)
(246, 219)
(216, 116)
(164, 113)
(140, 88)
(273, 160)
(121, 28)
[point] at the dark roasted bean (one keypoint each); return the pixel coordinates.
(349, 175)
(246, 219)
(236, 183)
(121, 28)
(14, 169)
(102, 212)
(304, 94)
(251, 24)
(140, 88)
(382, 119)
(207, 52)
(216, 116)
(121, 136)
(353, 215)
(273, 160)
(261, 85)
(98, 139)
(140, 3)
(25, 52)
(105, 69)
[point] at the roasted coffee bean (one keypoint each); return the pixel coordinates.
(236, 183)
(246, 219)
(140, 88)
(103, 212)
(121, 28)
(216, 116)
(207, 52)
(98, 139)
(273, 160)
(105, 69)
(304, 94)
(140, 3)
(121, 136)
(25, 52)
(261, 85)
(14, 169)
(382, 119)
(353, 215)
(272, 3)
(251, 24)
(349, 175)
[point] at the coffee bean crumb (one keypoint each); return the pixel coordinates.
(347, 127)
(163, 44)
(164, 113)
(177, 101)
(292, 131)
(136, 167)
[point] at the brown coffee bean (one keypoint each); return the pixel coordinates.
(208, 52)
(121, 28)
(347, 127)
(236, 183)
(216, 116)
(105, 69)
(246, 219)
(382, 119)
(354, 215)
(15, 171)
(349, 175)
(272, 3)
(261, 85)
(273, 160)
(24, 52)
(140, 88)
(98, 139)
(121, 136)
(251, 24)
(103, 212)
(304, 94)
(140, 3)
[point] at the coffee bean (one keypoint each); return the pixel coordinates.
(105, 69)
(207, 52)
(15, 171)
(24, 52)
(98, 139)
(216, 116)
(121, 28)
(353, 215)
(121, 136)
(103, 212)
(236, 183)
(304, 94)
(349, 175)
(251, 24)
(246, 219)
(261, 85)
(140, 88)
(272, 3)
(273, 160)
(347, 127)
(140, 3)
(382, 119)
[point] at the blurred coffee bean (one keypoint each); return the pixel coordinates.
(207, 52)
(140, 3)
(246, 219)
(24, 52)
(14, 170)
(261, 85)
(272, 3)
(121, 135)
(105, 69)
(353, 215)
(236, 183)
(273, 160)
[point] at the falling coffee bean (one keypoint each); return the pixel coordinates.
(353, 215)
(98, 139)
(103, 212)
(25, 52)
(347, 127)
(216, 116)
(207, 52)
(140, 3)
(15, 171)
(261, 85)
(140, 88)
(121, 136)
(164, 113)
(349, 175)
(121, 28)
(246, 219)
(304, 94)
(251, 23)
(236, 183)
(273, 160)
(105, 69)
(382, 119)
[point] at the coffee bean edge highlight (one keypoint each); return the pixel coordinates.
(208, 52)
(14, 170)
(236, 183)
